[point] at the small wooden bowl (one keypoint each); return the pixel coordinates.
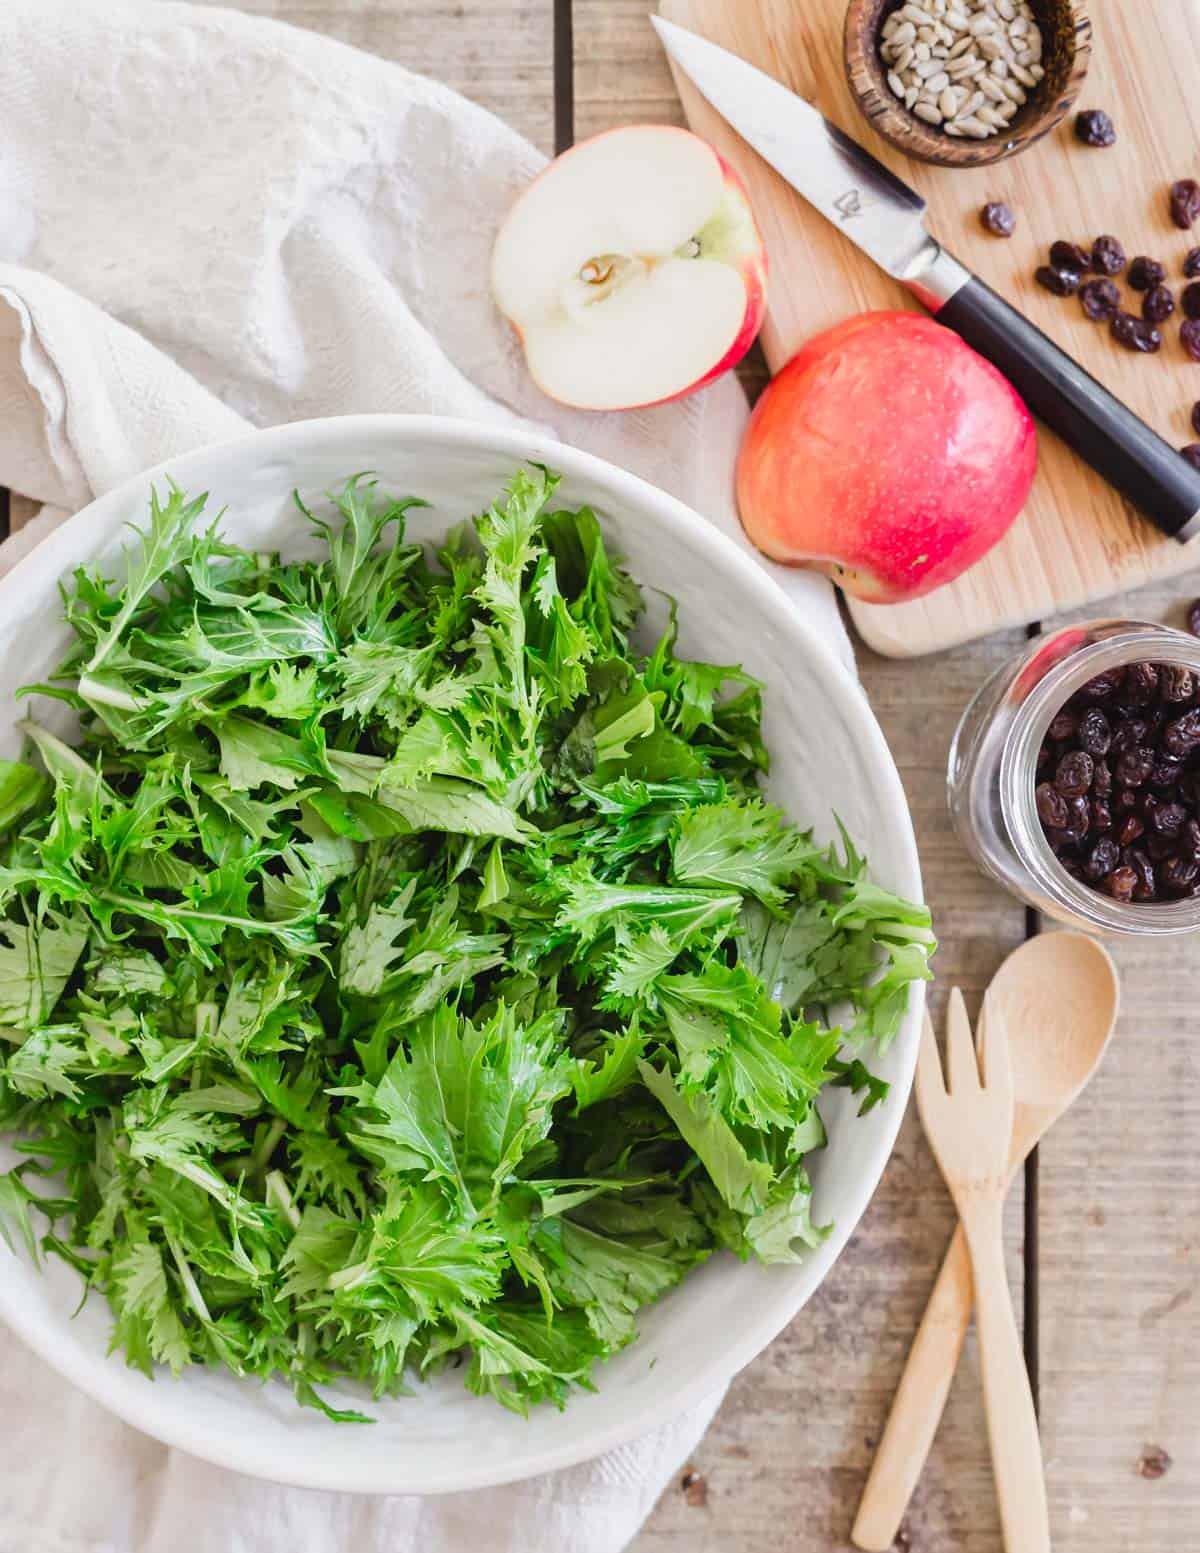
(1067, 43)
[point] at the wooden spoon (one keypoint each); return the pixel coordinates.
(1058, 995)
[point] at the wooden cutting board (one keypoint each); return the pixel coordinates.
(1077, 540)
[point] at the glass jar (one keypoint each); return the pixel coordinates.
(993, 765)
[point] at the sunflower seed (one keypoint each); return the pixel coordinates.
(962, 64)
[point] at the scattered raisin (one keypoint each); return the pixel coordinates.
(1141, 683)
(1063, 725)
(1189, 337)
(1191, 263)
(1145, 274)
(1168, 818)
(1189, 299)
(1102, 687)
(1100, 300)
(1184, 202)
(1102, 859)
(1130, 828)
(1143, 869)
(1182, 736)
(1095, 735)
(1079, 817)
(1102, 781)
(1125, 801)
(1178, 874)
(1120, 883)
(1108, 256)
(1175, 682)
(1134, 765)
(1093, 127)
(1189, 838)
(1070, 256)
(998, 218)
(1135, 334)
(1063, 283)
(1167, 771)
(1051, 806)
(1191, 451)
(1131, 731)
(1158, 304)
(1101, 817)
(1074, 773)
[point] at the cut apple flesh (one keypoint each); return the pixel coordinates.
(622, 269)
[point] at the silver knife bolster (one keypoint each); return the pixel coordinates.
(934, 276)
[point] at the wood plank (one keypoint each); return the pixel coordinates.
(1076, 540)
(20, 510)
(785, 1461)
(1120, 1255)
(499, 53)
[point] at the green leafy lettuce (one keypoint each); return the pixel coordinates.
(400, 965)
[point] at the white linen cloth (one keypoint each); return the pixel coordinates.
(209, 220)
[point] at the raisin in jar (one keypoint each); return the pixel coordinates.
(1002, 753)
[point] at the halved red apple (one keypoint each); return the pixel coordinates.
(632, 269)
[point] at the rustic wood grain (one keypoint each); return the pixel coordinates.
(20, 510)
(499, 53)
(1076, 540)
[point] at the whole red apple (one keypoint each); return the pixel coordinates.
(888, 454)
(632, 269)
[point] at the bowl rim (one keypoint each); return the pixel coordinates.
(155, 1410)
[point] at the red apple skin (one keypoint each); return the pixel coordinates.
(887, 454)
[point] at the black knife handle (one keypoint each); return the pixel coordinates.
(1106, 434)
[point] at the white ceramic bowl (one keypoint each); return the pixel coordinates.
(828, 753)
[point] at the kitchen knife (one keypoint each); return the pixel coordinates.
(886, 219)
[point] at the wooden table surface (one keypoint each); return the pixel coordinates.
(1104, 1239)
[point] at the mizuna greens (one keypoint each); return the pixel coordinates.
(401, 965)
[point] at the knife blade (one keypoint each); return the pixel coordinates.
(881, 215)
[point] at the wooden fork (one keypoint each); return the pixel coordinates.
(970, 1131)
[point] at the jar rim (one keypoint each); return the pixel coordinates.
(1128, 642)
